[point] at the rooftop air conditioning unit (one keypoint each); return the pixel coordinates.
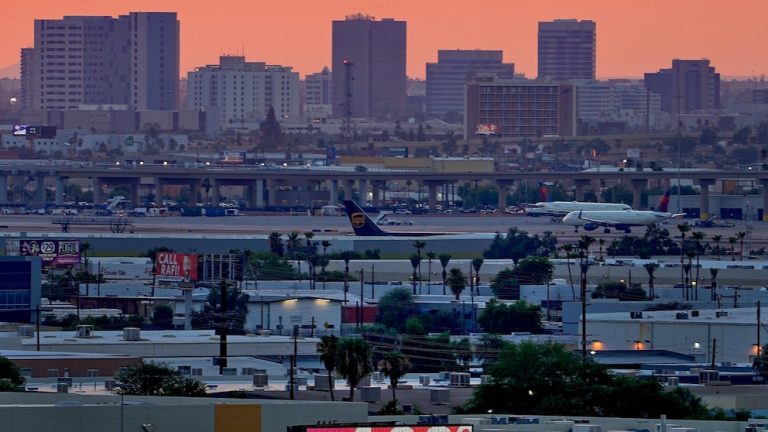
(695, 313)
(673, 381)
(721, 314)
(681, 316)
(83, 331)
(197, 371)
(636, 315)
(246, 371)
(132, 334)
(459, 379)
(425, 380)
(260, 380)
(323, 382)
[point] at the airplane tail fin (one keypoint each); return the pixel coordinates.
(663, 205)
(361, 223)
(543, 192)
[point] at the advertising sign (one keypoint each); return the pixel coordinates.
(54, 253)
(486, 129)
(399, 428)
(232, 157)
(172, 266)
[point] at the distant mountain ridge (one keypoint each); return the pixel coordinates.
(11, 71)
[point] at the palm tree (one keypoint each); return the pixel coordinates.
(457, 281)
(687, 268)
(354, 362)
(276, 244)
(293, 244)
(717, 238)
(394, 365)
(713, 287)
(323, 261)
(651, 268)
(346, 256)
(430, 256)
(85, 252)
(568, 248)
(419, 245)
(325, 244)
(444, 260)
(585, 242)
(740, 235)
(732, 241)
(684, 228)
(601, 242)
(476, 264)
(415, 263)
(698, 237)
(328, 348)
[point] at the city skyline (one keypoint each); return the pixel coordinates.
(632, 38)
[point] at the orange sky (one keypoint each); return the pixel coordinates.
(633, 36)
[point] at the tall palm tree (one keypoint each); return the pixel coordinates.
(687, 268)
(698, 237)
(293, 244)
(444, 260)
(419, 245)
(457, 281)
(732, 241)
(323, 261)
(430, 256)
(415, 263)
(717, 238)
(328, 348)
(394, 366)
(276, 244)
(346, 256)
(684, 228)
(601, 242)
(476, 264)
(740, 235)
(651, 268)
(311, 258)
(568, 248)
(85, 254)
(585, 242)
(325, 244)
(713, 287)
(354, 362)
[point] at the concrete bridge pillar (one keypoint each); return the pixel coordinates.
(503, 187)
(215, 192)
(349, 189)
(194, 192)
(40, 189)
(59, 194)
(272, 188)
(638, 186)
(704, 184)
(135, 185)
(376, 187)
(98, 191)
(362, 191)
(258, 198)
(159, 192)
(579, 186)
(764, 182)
(432, 194)
(333, 192)
(3, 189)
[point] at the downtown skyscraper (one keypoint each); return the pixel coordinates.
(567, 50)
(369, 67)
(132, 60)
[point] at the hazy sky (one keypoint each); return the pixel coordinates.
(633, 36)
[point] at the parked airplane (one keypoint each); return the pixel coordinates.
(620, 219)
(562, 208)
(363, 225)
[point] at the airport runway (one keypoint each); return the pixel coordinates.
(339, 225)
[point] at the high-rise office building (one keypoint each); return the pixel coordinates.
(318, 88)
(132, 60)
(519, 108)
(447, 79)
(369, 67)
(627, 101)
(688, 86)
(567, 49)
(239, 91)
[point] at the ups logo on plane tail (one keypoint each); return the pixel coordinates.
(358, 220)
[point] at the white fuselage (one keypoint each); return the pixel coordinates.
(613, 218)
(562, 208)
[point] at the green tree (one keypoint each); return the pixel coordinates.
(395, 307)
(740, 236)
(444, 260)
(536, 270)
(157, 379)
(328, 348)
(271, 133)
(163, 316)
(10, 376)
(415, 263)
(618, 290)
(477, 263)
(276, 246)
(354, 362)
(505, 285)
(394, 366)
(457, 281)
(430, 256)
(519, 316)
(213, 316)
(651, 268)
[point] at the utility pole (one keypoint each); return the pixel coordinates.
(223, 328)
(293, 361)
(584, 267)
(37, 327)
(714, 349)
(758, 330)
(373, 283)
(362, 296)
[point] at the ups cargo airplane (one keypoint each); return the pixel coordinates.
(621, 220)
(363, 225)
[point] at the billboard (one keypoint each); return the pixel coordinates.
(54, 253)
(486, 129)
(173, 266)
(398, 428)
(232, 157)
